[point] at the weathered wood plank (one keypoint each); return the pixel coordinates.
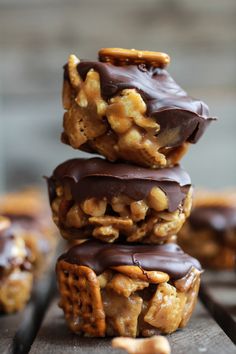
(201, 335)
(218, 293)
(17, 331)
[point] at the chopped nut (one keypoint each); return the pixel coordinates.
(138, 210)
(135, 272)
(104, 278)
(75, 217)
(157, 199)
(94, 207)
(73, 61)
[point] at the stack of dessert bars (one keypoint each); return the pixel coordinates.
(123, 273)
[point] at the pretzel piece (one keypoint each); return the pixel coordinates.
(132, 56)
(78, 285)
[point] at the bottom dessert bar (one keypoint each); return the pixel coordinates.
(210, 232)
(16, 278)
(127, 290)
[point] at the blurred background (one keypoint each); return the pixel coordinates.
(36, 37)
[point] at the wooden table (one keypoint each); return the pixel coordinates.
(41, 328)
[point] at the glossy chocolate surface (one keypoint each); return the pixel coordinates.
(168, 258)
(166, 101)
(217, 218)
(99, 178)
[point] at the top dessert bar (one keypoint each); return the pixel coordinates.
(126, 106)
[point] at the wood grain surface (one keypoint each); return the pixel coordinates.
(17, 331)
(201, 335)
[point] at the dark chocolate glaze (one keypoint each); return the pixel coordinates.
(99, 178)
(168, 258)
(217, 218)
(35, 225)
(166, 101)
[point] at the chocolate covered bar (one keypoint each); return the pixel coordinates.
(30, 218)
(210, 232)
(97, 198)
(126, 106)
(127, 290)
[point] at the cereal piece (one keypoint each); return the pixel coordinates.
(125, 286)
(191, 299)
(131, 56)
(166, 308)
(121, 313)
(119, 222)
(153, 345)
(171, 226)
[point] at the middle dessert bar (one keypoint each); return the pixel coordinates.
(93, 197)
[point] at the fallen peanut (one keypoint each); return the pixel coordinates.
(153, 345)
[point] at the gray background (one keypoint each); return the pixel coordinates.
(37, 36)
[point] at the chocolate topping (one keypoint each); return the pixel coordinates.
(168, 258)
(99, 178)
(32, 225)
(166, 101)
(218, 218)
